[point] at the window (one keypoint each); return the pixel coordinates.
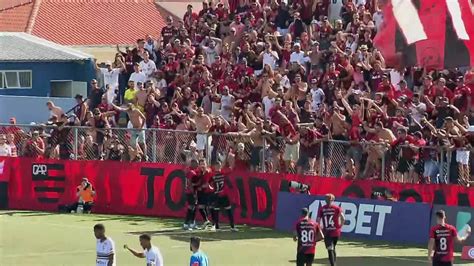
(15, 79)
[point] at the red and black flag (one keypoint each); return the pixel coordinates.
(436, 34)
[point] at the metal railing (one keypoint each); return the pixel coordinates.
(334, 158)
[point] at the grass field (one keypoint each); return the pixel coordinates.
(36, 238)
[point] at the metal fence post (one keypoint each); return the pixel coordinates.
(263, 161)
(441, 166)
(153, 149)
(382, 172)
(76, 141)
(207, 149)
(321, 159)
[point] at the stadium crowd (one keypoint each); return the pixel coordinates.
(292, 83)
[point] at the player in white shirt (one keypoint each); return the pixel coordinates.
(105, 247)
(147, 66)
(137, 76)
(317, 95)
(111, 75)
(151, 253)
(335, 7)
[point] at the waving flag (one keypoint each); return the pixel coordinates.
(430, 33)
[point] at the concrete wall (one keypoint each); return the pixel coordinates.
(30, 109)
(44, 72)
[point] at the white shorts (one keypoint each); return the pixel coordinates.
(292, 152)
(201, 141)
(462, 157)
(138, 136)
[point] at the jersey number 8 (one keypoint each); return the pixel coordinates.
(443, 244)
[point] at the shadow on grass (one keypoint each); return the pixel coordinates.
(245, 233)
(26, 213)
(380, 261)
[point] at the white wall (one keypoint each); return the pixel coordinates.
(28, 109)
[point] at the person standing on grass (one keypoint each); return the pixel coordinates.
(332, 219)
(307, 233)
(105, 247)
(198, 258)
(441, 244)
(151, 253)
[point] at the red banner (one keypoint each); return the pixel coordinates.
(155, 189)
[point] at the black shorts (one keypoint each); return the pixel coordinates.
(202, 198)
(220, 202)
(304, 259)
(442, 263)
(330, 241)
(405, 165)
(190, 199)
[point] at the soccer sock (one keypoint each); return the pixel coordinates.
(215, 217)
(203, 214)
(193, 216)
(231, 217)
(331, 257)
(188, 216)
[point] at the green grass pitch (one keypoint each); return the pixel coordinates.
(37, 238)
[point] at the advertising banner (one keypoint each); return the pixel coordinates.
(458, 217)
(156, 189)
(400, 222)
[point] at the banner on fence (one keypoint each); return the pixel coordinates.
(458, 217)
(365, 219)
(157, 189)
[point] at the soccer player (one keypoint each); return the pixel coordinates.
(220, 198)
(204, 191)
(332, 220)
(151, 253)
(307, 233)
(441, 244)
(198, 258)
(192, 182)
(105, 247)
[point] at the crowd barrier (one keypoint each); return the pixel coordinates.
(391, 221)
(156, 189)
(433, 165)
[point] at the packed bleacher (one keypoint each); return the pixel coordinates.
(268, 86)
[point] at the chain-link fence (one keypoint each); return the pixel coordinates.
(333, 158)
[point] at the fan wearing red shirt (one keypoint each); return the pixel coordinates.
(220, 197)
(386, 88)
(307, 233)
(192, 180)
(441, 243)
(332, 218)
(440, 89)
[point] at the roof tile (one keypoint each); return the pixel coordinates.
(15, 18)
(97, 22)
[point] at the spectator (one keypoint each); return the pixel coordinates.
(95, 96)
(11, 142)
(34, 147)
(5, 149)
(54, 110)
(137, 76)
(111, 79)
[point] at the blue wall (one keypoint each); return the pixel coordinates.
(44, 72)
(30, 109)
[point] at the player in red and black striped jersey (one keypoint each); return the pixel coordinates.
(191, 183)
(307, 233)
(441, 244)
(204, 190)
(220, 198)
(332, 219)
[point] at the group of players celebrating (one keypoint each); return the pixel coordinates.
(331, 217)
(207, 192)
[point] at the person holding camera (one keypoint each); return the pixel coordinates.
(85, 194)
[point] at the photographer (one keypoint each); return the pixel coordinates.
(85, 194)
